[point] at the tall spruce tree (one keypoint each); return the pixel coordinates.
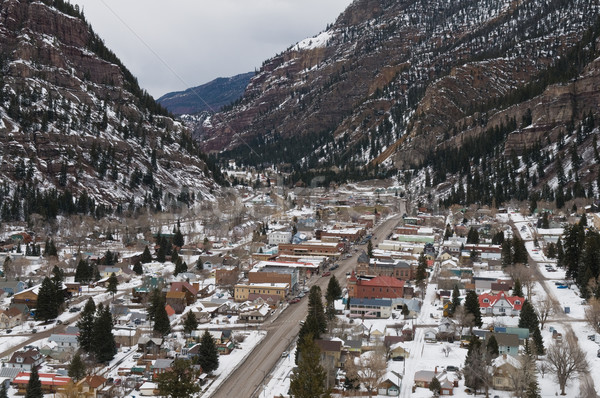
(162, 325)
(3, 391)
(83, 272)
(86, 326)
(528, 318)
(47, 305)
(191, 323)
(34, 386)
(178, 237)
(156, 301)
(334, 291)
(455, 300)
(315, 323)
(104, 346)
(137, 268)
(308, 380)
(146, 256)
(208, 354)
(517, 289)
(421, 274)
(179, 382)
(77, 368)
(113, 282)
(472, 307)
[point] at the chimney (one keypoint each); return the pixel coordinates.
(436, 370)
(504, 356)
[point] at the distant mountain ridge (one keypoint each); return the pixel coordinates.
(210, 97)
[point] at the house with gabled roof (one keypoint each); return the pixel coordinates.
(64, 342)
(191, 291)
(500, 304)
(90, 386)
(448, 381)
(51, 382)
(177, 301)
(25, 360)
(505, 367)
(10, 318)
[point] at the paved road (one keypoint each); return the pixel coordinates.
(250, 375)
(559, 315)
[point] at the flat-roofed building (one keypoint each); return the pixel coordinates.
(243, 290)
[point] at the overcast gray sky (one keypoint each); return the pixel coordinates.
(201, 40)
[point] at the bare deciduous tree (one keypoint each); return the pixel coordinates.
(463, 319)
(592, 314)
(566, 360)
(522, 376)
(544, 309)
(525, 276)
(372, 367)
(446, 350)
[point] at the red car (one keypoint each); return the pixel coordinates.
(326, 273)
(294, 300)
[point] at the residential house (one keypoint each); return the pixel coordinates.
(149, 346)
(500, 304)
(64, 342)
(398, 350)
(90, 386)
(390, 386)
(254, 313)
(508, 343)
(177, 301)
(160, 366)
(149, 389)
(190, 290)
(27, 296)
(430, 335)
(505, 367)
(25, 360)
(279, 237)
(370, 308)
(447, 328)
(13, 287)
(448, 381)
(10, 318)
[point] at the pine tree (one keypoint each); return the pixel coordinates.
(473, 236)
(370, 249)
(538, 341)
(178, 237)
(517, 289)
(113, 282)
(190, 324)
(179, 382)
(455, 300)
(472, 307)
(104, 346)
(3, 392)
(34, 386)
(77, 369)
(519, 251)
(146, 256)
(162, 324)
(533, 390)
(507, 257)
(309, 378)
(435, 386)
(137, 268)
(57, 280)
(492, 346)
(83, 273)
(421, 274)
(156, 301)
(528, 318)
(86, 326)
(208, 354)
(47, 306)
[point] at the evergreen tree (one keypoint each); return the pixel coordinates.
(551, 250)
(334, 291)
(405, 311)
(146, 256)
(421, 274)
(104, 346)
(178, 237)
(316, 321)
(448, 233)
(34, 386)
(435, 386)
(113, 282)
(57, 280)
(492, 347)
(519, 251)
(179, 382)
(190, 324)
(86, 325)
(162, 325)
(472, 307)
(538, 341)
(455, 300)
(156, 301)
(77, 369)
(137, 268)
(507, 257)
(199, 264)
(473, 236)
(309, 378)
(3, 392)
(83, 272)
(533, 390)
(208, 354)
(528, 318)
(370, 249)
(161, 255)
(47, 305)
(517, 289)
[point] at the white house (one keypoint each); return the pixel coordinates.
(65, 342)
(280, 237)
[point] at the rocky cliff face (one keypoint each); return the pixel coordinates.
(73, 119)
(392, 81)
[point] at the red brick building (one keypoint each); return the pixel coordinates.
(376, 288)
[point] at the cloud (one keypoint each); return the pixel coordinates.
(201, 40)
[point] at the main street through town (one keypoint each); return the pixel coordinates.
(247, 379)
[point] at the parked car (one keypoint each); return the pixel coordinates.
(327, 273)
(285, 354)
(294, 300)
(451, 368)
(398, 358)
